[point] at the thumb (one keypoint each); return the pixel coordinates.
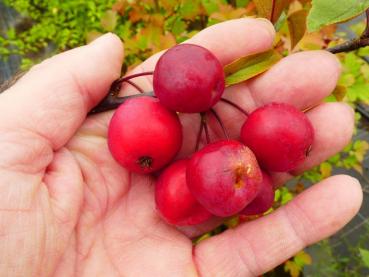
(45, 107)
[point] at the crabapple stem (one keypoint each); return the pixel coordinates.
(220, 122)
(204, 119)
(234, 105)
(199, 134)
(133, 84)
(112, 101)
(125, 79)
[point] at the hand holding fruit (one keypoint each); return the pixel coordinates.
(75, 210)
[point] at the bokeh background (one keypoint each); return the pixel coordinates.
(31, 31)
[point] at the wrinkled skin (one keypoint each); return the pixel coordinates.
(68, 209)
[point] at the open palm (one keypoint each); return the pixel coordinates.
(68, 209)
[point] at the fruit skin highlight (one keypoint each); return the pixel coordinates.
(188, 78)
(280, 136)
(264, 200)
(173, 199)
(224, 177)
(144, 135)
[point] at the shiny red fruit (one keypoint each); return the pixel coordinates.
(280, 136)
(143, 135)
(224, 177)
(173, 199)
(188, 78)
(264, 200)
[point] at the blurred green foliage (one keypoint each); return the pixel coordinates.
(146, 26)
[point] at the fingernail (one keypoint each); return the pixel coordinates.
(100, 39)
(268, 25)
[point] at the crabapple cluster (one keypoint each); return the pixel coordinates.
(224, 178)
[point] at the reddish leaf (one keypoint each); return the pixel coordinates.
(340, 92)
(297, 26)
(166, 41)
(227, 12)
(168, 5)
(137, 14)
(119, 6)
(109, 20)
(92, 35)
(271, 9)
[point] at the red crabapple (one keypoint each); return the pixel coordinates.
(173, 199)
(224, 177)
(188, 78)
(264, 200)
(143, 135)
(280, 136)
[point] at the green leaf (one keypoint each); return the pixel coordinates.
(241, 3)
(109, 21)
(326, 169)
(250, 66)
(302, 258)
(286, 197)
(190, 9)
(271, 9)
(232, 222)
(283, 196)
(327, 12)
(179, 26)
(297, 26)
(201, 238)
(363, 52)
(364, 256)
(339, 92)
(353, 64)
(210, 6)
(277, 195)
(280, 22)
(292, 268)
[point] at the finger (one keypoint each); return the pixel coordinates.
(57, 94)
(228, 41)
(333, 128)
(301, 79)
(333, 125)
(256, 247)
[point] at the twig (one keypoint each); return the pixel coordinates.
(133, 84)
(234, 105)
(199, 135)
(112, 101)
(220, 122)
(203, 117)
(125, 79)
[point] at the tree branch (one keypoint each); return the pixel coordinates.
(353, 44)
(350, 45)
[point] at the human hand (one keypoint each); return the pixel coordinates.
(67, 208)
